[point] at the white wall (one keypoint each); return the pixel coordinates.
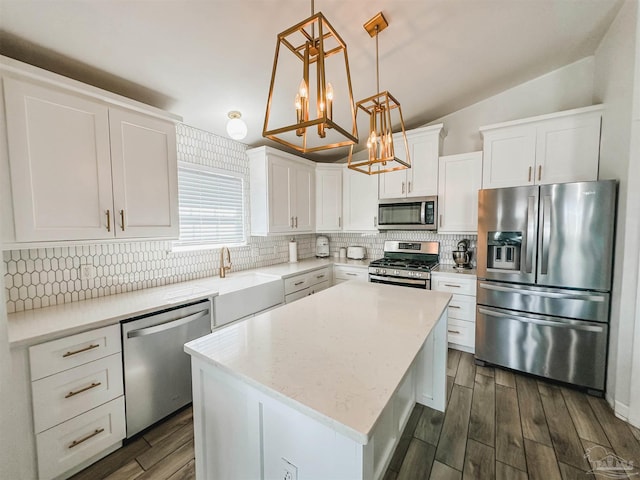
(568, 87)
(614, 86)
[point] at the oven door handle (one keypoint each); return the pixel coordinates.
(537, 321)
(411, 281)
(167, 326)
(538, 293)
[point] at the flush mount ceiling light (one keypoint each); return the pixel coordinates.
(236, 128)
(309, 107)
(382, 156)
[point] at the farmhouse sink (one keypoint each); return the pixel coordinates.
(243, 294)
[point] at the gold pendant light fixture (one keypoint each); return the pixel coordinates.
(313, 104)
(380, 108)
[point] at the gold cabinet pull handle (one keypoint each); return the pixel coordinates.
(122, 220)
(539, 172)
(454, 331)
(108, 220)
(76, 392)
(90, 347)
(529, 173)
(75, 443)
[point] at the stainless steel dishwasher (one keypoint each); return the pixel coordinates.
(157, 372)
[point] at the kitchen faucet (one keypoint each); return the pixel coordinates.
(223, 269)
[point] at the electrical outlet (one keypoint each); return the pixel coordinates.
(87, 272)
(289, 470)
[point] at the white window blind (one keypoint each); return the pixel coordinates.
(211, 207)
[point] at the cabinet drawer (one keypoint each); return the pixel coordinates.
(295, 284)
(451, 284)
(350, 273)
(62, 396)
(59, 355)
(461, 332)
(319, 276)
(74, 441)
(292, 297)
(463, 307)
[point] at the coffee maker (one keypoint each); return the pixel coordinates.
(322, 246)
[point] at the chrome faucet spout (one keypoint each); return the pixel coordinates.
(224, 269)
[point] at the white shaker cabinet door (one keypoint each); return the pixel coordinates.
(509, 157)
(460, 178)
(60, 164)
(145, 173)
(280, 191)
(328, 198)
(568, 149)
(422, 178)
(305, 198)
(360, 201)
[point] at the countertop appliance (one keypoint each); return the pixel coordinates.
(322, 246)
(356, 252)
(157, 372)
(461, 255)
(413, 213)
(407, 264)
(544, 280)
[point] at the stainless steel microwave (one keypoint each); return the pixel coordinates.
(418, 213)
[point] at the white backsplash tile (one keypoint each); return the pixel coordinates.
(42, 277)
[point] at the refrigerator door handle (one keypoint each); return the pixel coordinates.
(537, 321)
(531, 230)
(566, 296)
(545, 234)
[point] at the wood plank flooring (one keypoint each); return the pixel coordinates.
(498, 425)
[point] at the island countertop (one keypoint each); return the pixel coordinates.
(337, 356)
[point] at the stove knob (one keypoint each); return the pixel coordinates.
(384, 271)
(396, 272)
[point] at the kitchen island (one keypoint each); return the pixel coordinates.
(319, 388)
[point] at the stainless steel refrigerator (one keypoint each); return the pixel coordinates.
(545, 256)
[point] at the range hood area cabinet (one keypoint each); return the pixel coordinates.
(421, 180)
(283, 193)
(82, 168)
(555, 148)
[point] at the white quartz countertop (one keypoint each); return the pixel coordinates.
(35, 326)
(469, 272)
(337, 356)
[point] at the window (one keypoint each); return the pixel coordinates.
(211, 206)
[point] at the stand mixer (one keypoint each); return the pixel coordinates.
(462, 255)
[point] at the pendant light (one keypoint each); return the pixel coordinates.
(313, 103)
(380, 107)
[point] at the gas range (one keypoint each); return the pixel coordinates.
(406, 263)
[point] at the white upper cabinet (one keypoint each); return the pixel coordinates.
(556, 148)
(459, 179)
(359, 201)
(60, 164)
(425, 145)
(329, 198)
(80, 166)
(282, 193)
(145, 181)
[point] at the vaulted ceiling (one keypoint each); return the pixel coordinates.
(203, 58)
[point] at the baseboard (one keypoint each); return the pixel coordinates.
(622, 411)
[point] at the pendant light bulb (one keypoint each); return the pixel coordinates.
(302, 89)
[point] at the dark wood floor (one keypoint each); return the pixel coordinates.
(498, 425)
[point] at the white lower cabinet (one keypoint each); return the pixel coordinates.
(75, 441)
(306, 284)
(78, 402)
(344, 273)
(461, 327)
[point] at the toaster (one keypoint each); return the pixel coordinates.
(356, 253)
